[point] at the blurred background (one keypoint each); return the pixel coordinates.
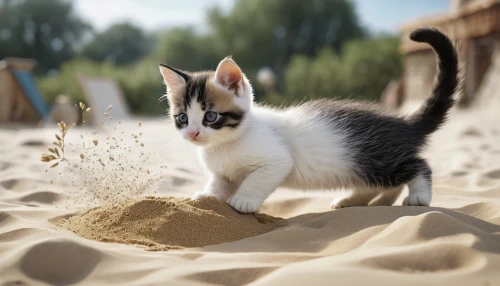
(291, 50)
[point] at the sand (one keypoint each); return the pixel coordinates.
(454, 242)
(168, 223)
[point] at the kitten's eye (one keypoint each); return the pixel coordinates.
(211, 116)
(182, 118)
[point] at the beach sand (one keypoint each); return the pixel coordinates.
(454, 242)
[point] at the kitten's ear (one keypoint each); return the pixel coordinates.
(173, 78)
(229, 75)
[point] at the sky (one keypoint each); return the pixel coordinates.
(149, 14)
(388, 15)
(377, 15)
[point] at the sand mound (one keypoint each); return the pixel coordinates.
(169, 223)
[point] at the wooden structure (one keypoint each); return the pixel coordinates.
(474, 25)
(101, 93)
(392, 96)
(19, 99)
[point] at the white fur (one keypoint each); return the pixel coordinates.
(277, 149)
(294, 148)
(420, 192)
(271, 148)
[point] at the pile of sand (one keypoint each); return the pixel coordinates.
(168, 223)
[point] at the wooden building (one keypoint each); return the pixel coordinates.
(20, 100)
(474, 25)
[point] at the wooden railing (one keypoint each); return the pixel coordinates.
(469, 23)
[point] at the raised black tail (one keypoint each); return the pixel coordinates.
(434, 111)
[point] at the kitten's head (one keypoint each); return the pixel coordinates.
(209, 108)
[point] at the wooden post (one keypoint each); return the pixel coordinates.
(9, 91)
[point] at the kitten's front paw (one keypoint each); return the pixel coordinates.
(243, 205)
(417, 199)
(204, 194)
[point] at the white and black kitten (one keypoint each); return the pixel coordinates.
(251, 150)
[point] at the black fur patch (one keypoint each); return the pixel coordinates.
(195, 88)
(237, 116)
(435, 110)
(385, 149)
(226, 119)
(179, 125)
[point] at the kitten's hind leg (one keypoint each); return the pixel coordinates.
(387, 197)
(357, 198)
(420, 187)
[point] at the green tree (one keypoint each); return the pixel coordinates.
(184, 49)
(368, 65)
(267, 33)
(362, 71)
(120, 44)
(314, 77)
(46, 30)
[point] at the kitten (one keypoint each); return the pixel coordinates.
(251, 150)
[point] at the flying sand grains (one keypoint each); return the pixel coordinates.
(102, 170)
(169, 223)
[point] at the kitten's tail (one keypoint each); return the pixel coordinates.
(434, 111)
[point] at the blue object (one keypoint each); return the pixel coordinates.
(27, 83)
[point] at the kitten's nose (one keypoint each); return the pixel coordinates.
(193, 134)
